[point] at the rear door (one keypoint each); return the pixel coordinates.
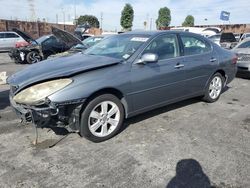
(11, 39)
(199, 61)
(159, 82)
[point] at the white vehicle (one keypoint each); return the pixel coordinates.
(8, 40)
(244, 36)
(204, 31)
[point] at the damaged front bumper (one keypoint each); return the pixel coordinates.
(50, 115)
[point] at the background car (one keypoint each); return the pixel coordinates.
(120, 77)
(77, 44)
(8, 40)
(225, 40)
(245, 35)
(38, 49)
(238, 36)
(243, 52)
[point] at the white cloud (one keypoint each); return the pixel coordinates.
(144, 10)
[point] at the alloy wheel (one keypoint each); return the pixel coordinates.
(104, 118)
(34, 57)
(215, 87)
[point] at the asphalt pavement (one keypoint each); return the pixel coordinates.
(191, 143)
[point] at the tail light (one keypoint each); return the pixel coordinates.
(235, 59)
(21, 44)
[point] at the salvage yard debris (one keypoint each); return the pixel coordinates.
(3, 78)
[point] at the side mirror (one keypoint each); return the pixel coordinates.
(148, 58)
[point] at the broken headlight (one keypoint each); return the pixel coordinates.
(36, 94)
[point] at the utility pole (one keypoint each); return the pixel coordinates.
(75, 9)
(151, 19)
(101, 19)
(32, 10)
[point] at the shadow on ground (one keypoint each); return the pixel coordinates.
(189, 174)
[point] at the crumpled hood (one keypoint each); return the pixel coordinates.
(58, 68)
(66, 37)
(24, 35)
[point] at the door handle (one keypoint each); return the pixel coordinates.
(213, 59)
(178, 66)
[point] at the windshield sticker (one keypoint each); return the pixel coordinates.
(139, 39)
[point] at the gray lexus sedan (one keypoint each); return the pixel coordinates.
(122, 76)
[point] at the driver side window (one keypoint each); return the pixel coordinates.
(165, 46)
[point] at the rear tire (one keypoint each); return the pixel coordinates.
(33, 57)
(102, 118)
(214, 88)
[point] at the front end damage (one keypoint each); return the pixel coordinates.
(19, 55)
(50, 114)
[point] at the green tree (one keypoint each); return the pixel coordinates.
(127, 17)
(88, 19)
(189, 21)
(164, 18)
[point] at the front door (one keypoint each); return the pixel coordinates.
(162, 81)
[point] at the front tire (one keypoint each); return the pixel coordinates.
(214, 88)
(102, 118)
(33, 57)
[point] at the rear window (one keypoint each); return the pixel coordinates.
(227, 37)
(194, 46)
(1, 35)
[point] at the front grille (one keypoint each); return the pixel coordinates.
(243, 57)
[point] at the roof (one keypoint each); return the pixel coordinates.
(155, 32)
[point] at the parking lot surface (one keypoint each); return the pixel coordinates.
(191, 143)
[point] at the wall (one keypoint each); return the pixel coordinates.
(37, 29)
(235, 28)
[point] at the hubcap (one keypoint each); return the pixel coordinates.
(104, 119)
(34, 57)
(215, 87)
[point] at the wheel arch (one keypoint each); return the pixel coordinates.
(109, 90)
(222, 72)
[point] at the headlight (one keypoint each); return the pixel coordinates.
(37, 93)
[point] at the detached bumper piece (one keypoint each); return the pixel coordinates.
(51, 115)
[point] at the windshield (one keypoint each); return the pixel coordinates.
(119, 46)
(245, 45)
(79, 46)
(91, 41)
(41, 39)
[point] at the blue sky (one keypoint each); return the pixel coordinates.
(144, 10)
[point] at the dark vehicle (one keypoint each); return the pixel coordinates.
(81, 30)
(120, 77)
(69, 39)
(37, 50)
(225, 40)
(76, 43)
(243, 52)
